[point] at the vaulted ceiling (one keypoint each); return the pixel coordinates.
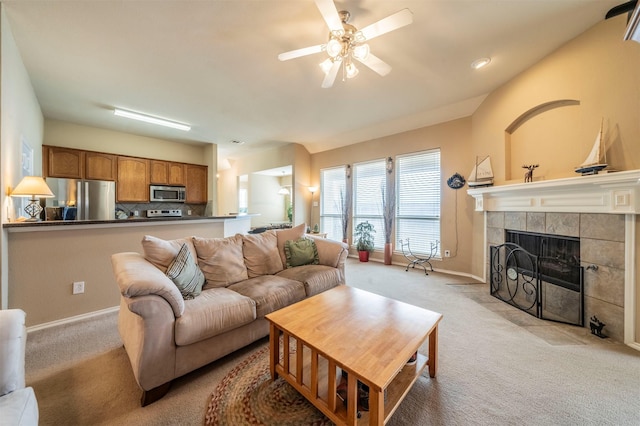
(214, 64)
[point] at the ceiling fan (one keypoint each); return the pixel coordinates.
(347, 43)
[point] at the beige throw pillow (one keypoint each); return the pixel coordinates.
(261, 254)
(162, 252)
(221, 260)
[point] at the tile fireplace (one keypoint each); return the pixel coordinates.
(600, 214)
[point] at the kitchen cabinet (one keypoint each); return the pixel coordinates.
(99, 166)
(196, 184)
(159, 172)
(167, 173)
(178, 174)
(64, 162)
(133, 180)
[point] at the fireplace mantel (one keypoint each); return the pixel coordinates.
(616, 193)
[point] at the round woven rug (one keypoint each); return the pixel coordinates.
(247, 396)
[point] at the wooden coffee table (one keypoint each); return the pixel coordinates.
(369, 336)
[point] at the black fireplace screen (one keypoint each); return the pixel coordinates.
(544, 279)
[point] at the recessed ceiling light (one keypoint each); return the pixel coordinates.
(151, 119)
(479, 63)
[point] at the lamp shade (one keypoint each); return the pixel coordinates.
(32, 186)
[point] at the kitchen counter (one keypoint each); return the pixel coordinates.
(145, 221)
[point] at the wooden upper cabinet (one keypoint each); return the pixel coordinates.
(167, 173)
(159, 172)
(64, 163)
(133, 180)
(177, 174)
(196, 184)
(99, 166)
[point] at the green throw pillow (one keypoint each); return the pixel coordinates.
(301, 252)
(185, 274)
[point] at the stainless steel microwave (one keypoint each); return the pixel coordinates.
(167, 194)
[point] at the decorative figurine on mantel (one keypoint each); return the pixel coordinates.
(528, 177)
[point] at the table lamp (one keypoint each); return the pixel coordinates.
(36, 188)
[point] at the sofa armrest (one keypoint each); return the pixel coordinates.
(138, 277)
(13, 340)
(147, 328)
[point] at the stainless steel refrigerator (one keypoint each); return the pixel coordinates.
(77, 199)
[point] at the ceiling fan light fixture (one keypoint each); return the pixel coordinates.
(361, 52)
(351, 70)
(334, 47)
(326, 65)
(480, 63)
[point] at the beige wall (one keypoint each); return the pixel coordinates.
(21, 121)
(599, 70)
(452, 138)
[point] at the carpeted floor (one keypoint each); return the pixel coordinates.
(497, 366)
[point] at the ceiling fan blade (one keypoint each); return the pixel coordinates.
(330, 14)
(390, 23)
(301, 52)
(376, 64)
(330, 77)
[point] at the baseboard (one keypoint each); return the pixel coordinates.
(73, 319)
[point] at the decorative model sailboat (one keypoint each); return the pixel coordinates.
(482, 174)
(592, 164)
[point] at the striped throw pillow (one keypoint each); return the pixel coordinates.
(185, 274)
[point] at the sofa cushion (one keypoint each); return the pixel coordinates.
(162, 252)
(185, 274)
(316, 278)
(284, 235)
(270, 292)
(300, 252)
(19, 408)
(261, 255)
(221, 260)
(215, 311)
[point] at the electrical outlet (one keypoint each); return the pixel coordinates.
(78, 287)
(447, 253)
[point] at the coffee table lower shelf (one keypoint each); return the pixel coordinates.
(319, 374)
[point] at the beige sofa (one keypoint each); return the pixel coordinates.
(246, 277)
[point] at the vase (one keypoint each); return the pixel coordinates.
(364, 256)
(388, 251)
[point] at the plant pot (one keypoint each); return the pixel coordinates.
(364, 256)
(387, 253)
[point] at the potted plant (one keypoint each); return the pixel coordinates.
(364, 240)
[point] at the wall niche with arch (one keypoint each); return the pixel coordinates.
(549, 135)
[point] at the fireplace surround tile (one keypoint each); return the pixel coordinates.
(516, 221)
(567, 224)
(495, 219)
(602, 226)
(536, 222)
(602, 253)
(601, 284)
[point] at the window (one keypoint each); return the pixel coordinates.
(368, 183)
(418, 200)
(333, 190)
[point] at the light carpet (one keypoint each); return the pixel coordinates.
(496, 366)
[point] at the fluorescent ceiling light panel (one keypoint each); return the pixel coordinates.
(151, 119)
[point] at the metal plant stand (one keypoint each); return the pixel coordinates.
(418, 260)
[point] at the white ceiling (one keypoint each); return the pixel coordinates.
(214, 64)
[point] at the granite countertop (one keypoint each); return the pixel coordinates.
(131, 221)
